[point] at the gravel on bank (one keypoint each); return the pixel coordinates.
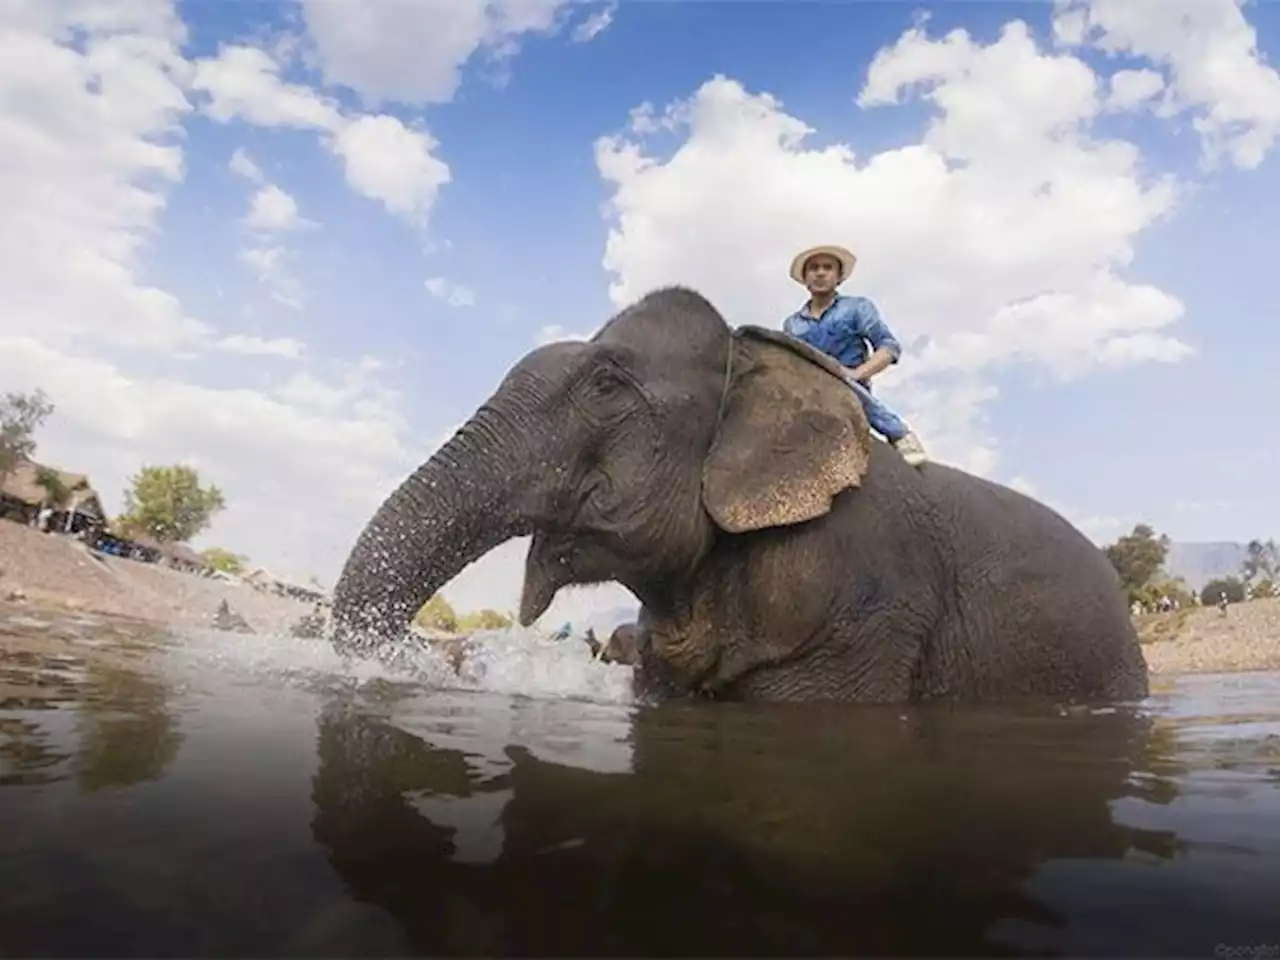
(1204, 640)
(51, 568)
(54, 569)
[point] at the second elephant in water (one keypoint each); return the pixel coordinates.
(729, 480)
(623, 645)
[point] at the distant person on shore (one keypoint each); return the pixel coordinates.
(843, 327)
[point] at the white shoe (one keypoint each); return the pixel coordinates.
(912, 450)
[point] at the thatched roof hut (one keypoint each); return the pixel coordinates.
(23, 485)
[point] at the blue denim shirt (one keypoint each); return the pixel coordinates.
(844, 329)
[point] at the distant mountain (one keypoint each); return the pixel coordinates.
(1198, 563)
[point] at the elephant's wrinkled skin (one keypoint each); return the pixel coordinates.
(731, 483)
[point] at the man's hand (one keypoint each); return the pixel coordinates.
(879, 360)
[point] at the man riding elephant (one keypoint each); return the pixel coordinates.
(842, 327)
(729, 479)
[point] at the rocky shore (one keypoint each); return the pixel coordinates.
(1205, 640)
(56, 571)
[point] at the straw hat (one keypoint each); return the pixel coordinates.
(846, 258)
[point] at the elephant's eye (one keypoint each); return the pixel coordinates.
(606, 382)
(607, 393)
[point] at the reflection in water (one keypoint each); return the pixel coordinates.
(728, 838)
(101, 675)
(27, 757)
(126, 731)
(306, 811)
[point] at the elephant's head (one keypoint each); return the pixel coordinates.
(624, 457)
(623, 646)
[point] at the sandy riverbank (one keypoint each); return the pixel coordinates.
(1203, 640)
(54, 570)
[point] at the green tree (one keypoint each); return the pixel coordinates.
(485, 619)
(436, 614)
(1233, 587)
(57, 493)
(20, 415)
(169, 504)
(1137, 558)
(1264, 589)
(1260, 559)
(224, 560)
(1177, 590)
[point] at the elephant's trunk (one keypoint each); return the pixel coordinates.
(451, 511)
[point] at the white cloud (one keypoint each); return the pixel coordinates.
(356, 387)
(454, 294)
(272, 212)
(1131, 89)
(91, 107)
(382, 158)
(1211, 54)
(271, 209)
(252, 346)
(269, 263)
(244, 83)
(92, 101)
(1000, 238)
(594, 25)
(386, 161)
(414, 52)
(300, 481)
(243, 165)
(555, 332)
(264, 260)
(89, 142)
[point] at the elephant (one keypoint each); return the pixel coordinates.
(728, 478)
(623, 646)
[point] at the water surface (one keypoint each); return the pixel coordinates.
(211, 794)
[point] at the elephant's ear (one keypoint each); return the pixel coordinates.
(792, 435)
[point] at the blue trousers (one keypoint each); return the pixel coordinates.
(883, 420)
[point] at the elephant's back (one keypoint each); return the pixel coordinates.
(1036, 604)
(991, 517)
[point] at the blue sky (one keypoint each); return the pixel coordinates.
(297, 243)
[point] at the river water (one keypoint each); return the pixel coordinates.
(214, 794)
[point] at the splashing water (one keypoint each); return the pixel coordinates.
(518, 661)
(513, 661)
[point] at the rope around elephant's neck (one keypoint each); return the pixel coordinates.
(728, 377)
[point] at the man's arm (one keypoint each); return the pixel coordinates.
(885, 348)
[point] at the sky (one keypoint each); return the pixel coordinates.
(296, 244)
